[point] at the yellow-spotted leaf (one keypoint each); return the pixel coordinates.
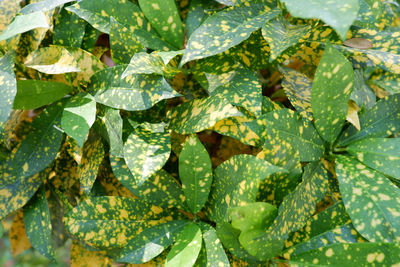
(370, 200)
(382, 154)
(69, 29)
(226, 29)
(199, 114)
(112, 132)
(362, 94)
(24, 23)
(146, 152)
(236, 183)
(82, 257)
(38, 225)
(214, 251)
(331, 89)
(9, 8)
(386, 80)
(8, 88)
(19, 242)
(44, 5)
(195, 172)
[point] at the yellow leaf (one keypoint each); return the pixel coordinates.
(18, 240)
(352, 114)
(81, 257)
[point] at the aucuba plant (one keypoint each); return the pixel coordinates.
(202, 132)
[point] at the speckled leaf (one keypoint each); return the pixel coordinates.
(199, 114)
(363, 254)
(370, 200)
(78, 116)
(24, 23)
(281, 35)
(160, 189)
(146, 152)
(92, 156)
(362, 94)
(33, 94)
(226, 29)
(136, 92)
(236, 183)
(38, 225)
(297, 87)
(69, 29)
(386, 80)
(52, 60)
(382, 154)
(195, 173)
(44, 5)
(257, 215)
(197, 14)
(113, 129)
(110, 222)
(214, 251)
(331, 89)
(151, 242)
(98, 14)
(82, 257)
(19, 242)
(8, 88)
(340, 15)
(164, 17)
(186, 248)
(268, 105)
(287, 125)
(9, 8)
(381, 120)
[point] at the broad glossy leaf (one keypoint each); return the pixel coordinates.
(214, 251)
(370, 200)
(362, 94)
(382, 154)
(8, 88)
(365, 254)
(24, 23)
(186, 248)
(43, 6)
(33, 94)
(226, 29)
(297, 87)
(331, 89)
(9, 8)
(381, 120)
(78, 116)
(340, 15)
(151, 242)
(164, 17)
(197, 14)
(38, 225)
(236, 183)
(113, 129)
(136, 92)
(145, 152)
(69, 29)
(199, 114)
(195, 173)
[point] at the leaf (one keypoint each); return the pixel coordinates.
(24, 23)
(195, 173)
(38, 225)
(8, 88)
(164, 17)
(199, 114)
(331, 89)
(69, 29)
(33, 94)
(381, 154)
(9, 8)
(386, 80)
(373, 254)
(226, 29)
(82, 257)
(186, 248)
(92, 156)
(297, 87)
(197, 14)
(214, 251)
(359, 43)
(340, 15)
(78, 116)
(146, 152)
(113, 130)
(151, 242)
(19, 242)
(362, 94)
(236, 183)
(43, 6)
(381, 120)
(369, 198)
(136, 92)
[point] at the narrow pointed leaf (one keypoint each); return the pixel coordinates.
(215, 253)
(8, 88)
(113, 127)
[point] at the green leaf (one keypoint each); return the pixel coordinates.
(78, 117)
(364, 254)
(146, 152)
(197, 14)
(92, 156)
(69, 29)
(38, 225)
(186, 248)
(386, 80)
(214, 251)
(340, 15)
(362, 94)
(236, 183)
(199, 114)
(297, 87)
(331, 89)
(8, 88)
(33, 94)
(226, 29)
(113, 128)
(164, 17)
(136, 92)
(369, 198)
(24, 23)
(151, 242)
(43, 6)
(381, 120)
(195, 172)
(382, 154)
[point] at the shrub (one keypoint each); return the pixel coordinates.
(206, 133)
